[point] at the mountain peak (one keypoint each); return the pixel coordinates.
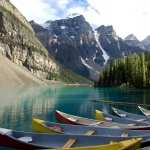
(73, 15)
(107, 31)
(131, 37)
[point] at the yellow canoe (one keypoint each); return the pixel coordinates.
(40, 127)
(132, 144)
(99, 115)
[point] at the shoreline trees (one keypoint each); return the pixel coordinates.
(133, 70)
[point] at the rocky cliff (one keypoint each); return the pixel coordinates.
(19, 43)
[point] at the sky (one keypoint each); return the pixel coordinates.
(126, 16)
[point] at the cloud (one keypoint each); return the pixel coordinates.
(127, 16)
(38, 10)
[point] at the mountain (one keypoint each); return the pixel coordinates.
(18, 42)
(132, 40)
(75, 44)
(72, 42)
(146, 43)
(113, 45)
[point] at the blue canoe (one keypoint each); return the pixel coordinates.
(42, 126)
(32, 141)
(131, 116)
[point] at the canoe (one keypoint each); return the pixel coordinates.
(146, 112)
(42, 126)
(111, 118)
(75, 120)
(132, 144)
(32, 141)
(131, 116)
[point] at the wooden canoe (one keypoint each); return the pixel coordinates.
(131, 116)
(71, 119)
(42, 126)
(32, 141)
(132, 144)
(145, 112)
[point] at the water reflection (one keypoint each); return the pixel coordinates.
(124, 95)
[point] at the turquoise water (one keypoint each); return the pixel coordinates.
(17, 110)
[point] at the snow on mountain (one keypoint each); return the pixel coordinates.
(105, 55)
(73, 15)
(85, 64)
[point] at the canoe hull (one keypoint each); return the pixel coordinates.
(14, 139)
(6, 141)
(132, 144)
(63, 119)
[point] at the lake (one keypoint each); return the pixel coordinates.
(18, 108)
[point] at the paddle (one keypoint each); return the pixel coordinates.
(69, 143)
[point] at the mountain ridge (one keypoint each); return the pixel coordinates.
(75, 44)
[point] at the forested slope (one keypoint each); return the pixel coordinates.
(132, 71)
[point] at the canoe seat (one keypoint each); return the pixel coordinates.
(25, 139)
(116, 127)
(90, 132)
(97, 123)
(56, 128)
(69, 143)
(130, 125)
